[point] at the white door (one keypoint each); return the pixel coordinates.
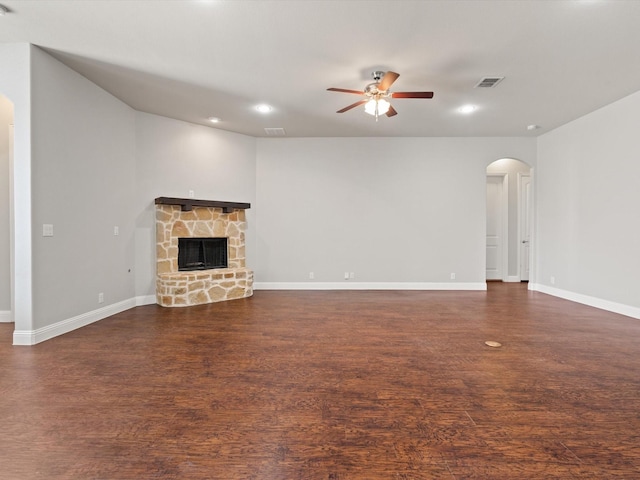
(494, 227)
(525, 226)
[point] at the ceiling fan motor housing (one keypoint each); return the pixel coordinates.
(377, 75)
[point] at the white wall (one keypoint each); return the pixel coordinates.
(174, 157)
(512, 168)
(6, 118)
(83, 178)
(15, 84)
(588, 204)
(391, 210)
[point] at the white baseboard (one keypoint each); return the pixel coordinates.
(368, 286)
(622, 309)
(512, 279)
(146, 300)
(31, 337)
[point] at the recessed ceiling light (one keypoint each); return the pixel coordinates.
(264, 108)
(533, 127)
(467, 109)
(214, 119)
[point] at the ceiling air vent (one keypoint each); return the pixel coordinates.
(489, 82)
(275, 132)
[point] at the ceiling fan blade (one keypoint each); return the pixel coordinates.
(353, 105)
(391, 112)
(387, 80)
(412, 95)
(344, 90)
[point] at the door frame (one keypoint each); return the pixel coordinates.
(521, 223)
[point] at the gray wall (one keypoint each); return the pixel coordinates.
(88, 163)
(387, 209)
(588, 204)
(85, 162)
(174, 157)
(6, 118)
(83, 178)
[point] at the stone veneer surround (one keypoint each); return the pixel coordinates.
(176, 288)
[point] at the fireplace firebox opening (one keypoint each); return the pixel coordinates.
(202, 253)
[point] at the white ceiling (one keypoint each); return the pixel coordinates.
(191, 59)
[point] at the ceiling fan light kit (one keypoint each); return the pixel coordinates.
(377, 107)
(376, 94)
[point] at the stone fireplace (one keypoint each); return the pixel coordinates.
(208, 222)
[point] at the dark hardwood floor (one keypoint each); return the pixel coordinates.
(330, 385)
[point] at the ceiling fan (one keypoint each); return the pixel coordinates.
(376, 94)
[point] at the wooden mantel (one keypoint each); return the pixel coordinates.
(187, 204)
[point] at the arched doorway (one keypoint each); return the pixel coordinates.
(509, 220)
(6, 201)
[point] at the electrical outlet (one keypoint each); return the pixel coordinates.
(346, 275)
(311, 275)
(352, 275)
(553, 280)
(192, 194)
(116, 230)
(453, 276)
(101, 297)
(47, 230)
